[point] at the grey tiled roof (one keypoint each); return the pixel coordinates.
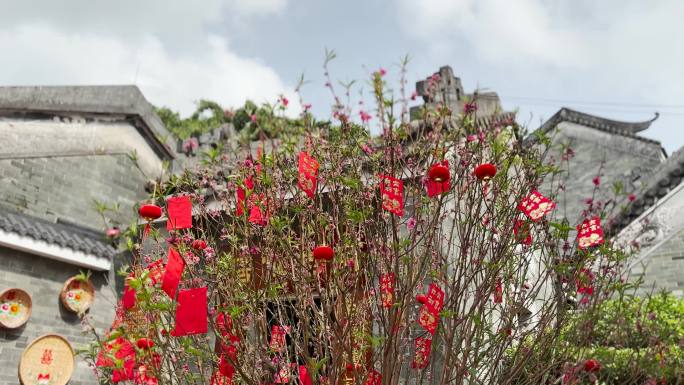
(79, 239)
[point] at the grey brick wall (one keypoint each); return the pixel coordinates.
(43, 278)
(663, 268)
(64, 187)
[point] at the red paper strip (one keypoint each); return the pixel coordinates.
(435, 299)
(392, 193)
(156, 270)
(498, 291)
(277, 343)
(522, 233)
(179, 211)
(304, 377)
(590, 233)
(308, 174)
(422, 355)
(536, 205)
(428, 320)
(128, 298)
(435, 188)
(374, 378)
(173, 273)
(191, 312)
(387, 289)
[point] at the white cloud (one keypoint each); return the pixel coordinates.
(51, 50)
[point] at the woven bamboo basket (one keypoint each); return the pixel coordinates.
(15, 308)
(49, 359)
(77, 295)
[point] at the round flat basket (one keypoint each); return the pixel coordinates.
(77, 295)
(49, 359)
(15, 308)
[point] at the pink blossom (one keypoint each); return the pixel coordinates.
(253, 118)
(597, 180)
(365, 117)
(367, 149)
(284, 101)
(411, 224)
(307, 106)
(631, 197)
(382, 71)
(471, 138)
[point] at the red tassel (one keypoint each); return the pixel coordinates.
(173, 273)
(146, 232)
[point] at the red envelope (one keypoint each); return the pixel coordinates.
(422, 356)
(179, 211)
(392, 194)
(304, 377)
(428, 320)
(173, 273)
(128, 298)
(387, 289)
(522, 233)
(535, 205)
(374, 378)
(191, 312)
(435, 299)
(589, 233)
(156, 270)
(308, 174)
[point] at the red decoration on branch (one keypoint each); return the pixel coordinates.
(128, 297)
(589, 233)
(374, 378)
(592, 365)
(428, 320)
(308, 174)
(585, 282)
(199, 244)
(149, 213)
(277, 343)
(392, 194)
(522, 233)
(421, 298)
(156, 270)
(323, 253)
(191, 312)
(304, 377)
(173, 273)
(387, 289)
(179, 211)
(535, 205)
(498, 291)
(144, 343)
(421, 358)
(485, 171)
(439, 179)
(435, 299)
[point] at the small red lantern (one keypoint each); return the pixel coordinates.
(421, 298)
(325, 253)
(150, 212)
(439, 173)
(592, 365)
(199, 244)
(485, 171)
(145, 343)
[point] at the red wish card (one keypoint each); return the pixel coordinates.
(589, 233)
(173, 273)
(156, 271)
(179, 211)
(435, 299)
(308, 174)
(428, 320)
(421, 359)
(191, 312)
(535, 205)
(387, 289)
(392, 194)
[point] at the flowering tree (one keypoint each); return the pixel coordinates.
(322, 255)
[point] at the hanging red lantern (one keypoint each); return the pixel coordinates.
(149, 213)
(485, 171)
(421, 298)
(439, 173)
(325, 253)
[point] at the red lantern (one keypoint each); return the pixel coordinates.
(145, 343)
(485, 171)
(421, 298)
(592, 365)
(439, 173)
(199, 244)
(150, 212)
(325, 253)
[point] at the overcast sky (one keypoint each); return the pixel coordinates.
(620, 59)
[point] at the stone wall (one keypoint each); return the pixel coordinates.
(43, 278)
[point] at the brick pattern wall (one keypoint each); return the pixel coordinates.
(663, 268)
(43, 278)
(65, 187)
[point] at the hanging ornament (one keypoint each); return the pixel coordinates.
(589, 233)
(191, 312)
(323, 253)
(535, 205)
(173, 273)
(421, 299)
(308, 174)
(387, 289)
(179, 212)
(392, 194)
(485, 171)
(439, 179)
(421, 359)
(149, 213)
(522, 233)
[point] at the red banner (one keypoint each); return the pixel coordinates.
(387, 289)
(392, 194)
(435, 299)
(179, 211)
(535, 205)
(428, 320)
(589, 233)
(173, 273)
(191, 312)
(421, 358)
(308, 174)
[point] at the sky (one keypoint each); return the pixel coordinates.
(620, 59)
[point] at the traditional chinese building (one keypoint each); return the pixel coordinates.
(62, 149)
